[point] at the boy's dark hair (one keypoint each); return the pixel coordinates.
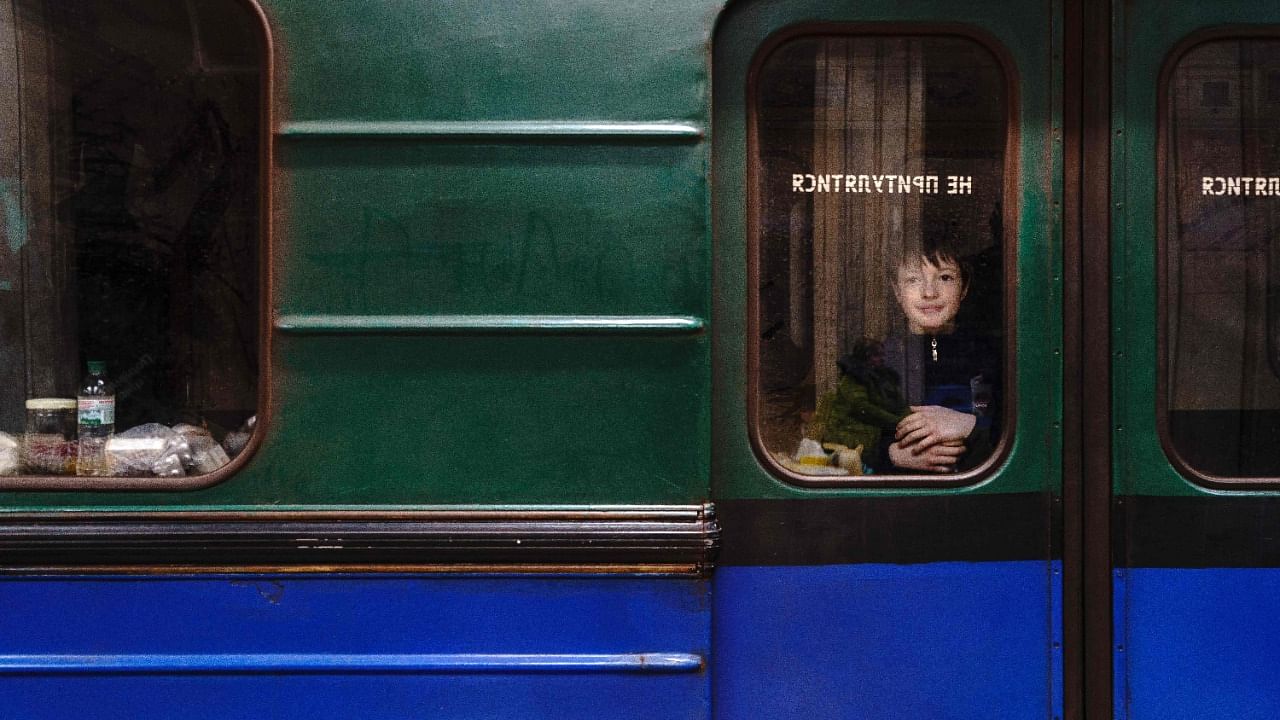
(934, 250)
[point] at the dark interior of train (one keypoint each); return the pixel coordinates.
(1222, 260)
(134, 132)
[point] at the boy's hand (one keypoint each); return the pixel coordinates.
(930, 425)
(940, 458)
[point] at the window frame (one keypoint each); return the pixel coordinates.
(1011, 212)
(1163, 113)
(69, 483)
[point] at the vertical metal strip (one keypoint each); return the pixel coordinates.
(1072, 502)
(1086, 499)
(1095, 387)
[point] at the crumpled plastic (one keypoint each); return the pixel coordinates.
(9, 455)
(236, 441)
(206, 454)
(150, 450)
(810, 459)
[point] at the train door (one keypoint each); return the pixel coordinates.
(1195, 210)
(887, 213)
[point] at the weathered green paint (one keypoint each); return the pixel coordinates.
(472, 60)
(1146, 31)
(565, 228)
(1031, 33)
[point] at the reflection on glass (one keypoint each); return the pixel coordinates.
(129, 203)
(878, 194)
(1222, 262)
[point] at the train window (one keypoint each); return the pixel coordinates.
(1220, 258)
(129, 265)
(878, 168)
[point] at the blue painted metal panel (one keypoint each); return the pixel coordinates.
(1199, 643)
(937, 640)
(1119, 601)
(367, 647)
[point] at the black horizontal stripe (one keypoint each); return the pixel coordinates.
(1196, 532)
(882, 529)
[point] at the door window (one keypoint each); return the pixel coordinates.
(1220, 263)
(878, 176)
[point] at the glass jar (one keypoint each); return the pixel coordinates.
(49, 443)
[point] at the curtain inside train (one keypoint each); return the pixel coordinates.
(869, 114)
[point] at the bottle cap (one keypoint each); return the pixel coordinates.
(51, 404)
(97, 367)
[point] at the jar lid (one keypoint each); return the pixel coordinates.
(51, 404)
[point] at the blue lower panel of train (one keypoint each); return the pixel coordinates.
(935, 640)
(354, 647)
(1197, 643)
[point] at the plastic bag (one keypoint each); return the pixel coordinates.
(150, 450)
(810, 459)
(810, 452)
(206, 454)
(236, 441)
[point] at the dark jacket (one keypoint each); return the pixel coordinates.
(967, 368)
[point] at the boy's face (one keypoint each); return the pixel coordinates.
(929, 294)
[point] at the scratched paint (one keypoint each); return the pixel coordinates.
(429, 254)
(14, 222)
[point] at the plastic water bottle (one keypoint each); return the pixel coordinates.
(95, 419)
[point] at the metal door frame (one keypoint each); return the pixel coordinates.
(1087, 499)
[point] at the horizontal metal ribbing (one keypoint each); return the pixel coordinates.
(308, 324)
(350, 663)
(514, 131)
(474, 538)
(435, 538)
(381, 513)
(360, 569)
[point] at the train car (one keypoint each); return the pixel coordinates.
(582, 359)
